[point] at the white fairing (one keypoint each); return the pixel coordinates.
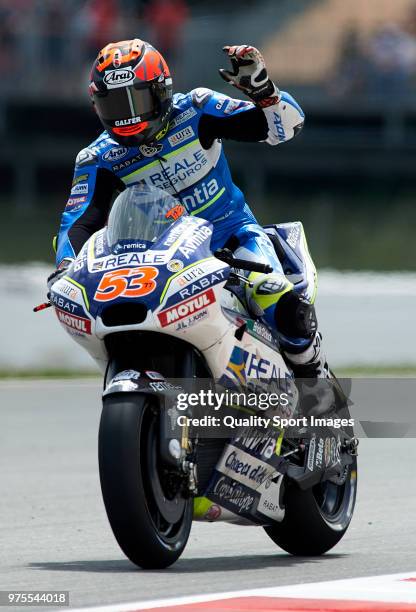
(78, 324)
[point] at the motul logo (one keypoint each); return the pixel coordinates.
(78, 323)
(187, 308)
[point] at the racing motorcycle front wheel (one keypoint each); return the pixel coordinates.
(316, 519)
(150, 518)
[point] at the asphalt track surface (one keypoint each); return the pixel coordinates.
(54, 533)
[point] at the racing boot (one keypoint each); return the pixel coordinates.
(295, 320)
(313, 378)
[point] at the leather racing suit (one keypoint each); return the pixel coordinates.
(189, 162)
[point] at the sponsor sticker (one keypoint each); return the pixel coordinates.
(257, 443)
(201, 194)
(195, 318)
(327, 451)
(279, 127)
(244, 468)
(122, 385)
(112, 262)
(179, 119)
(293, 236)
(186, 308)
(115, 154)
(319, 457)
(203, 283)
(126, 375)
(181, 136)
(163, 131)
(269, 500)
(97, 266)
(73, 322)
(335, 450)
(80, 189)
(191, 163)
(232, 495)
(68, 290)
(66, 305)
(175, 212)
(233, 105)
(190, 276)
(130, 121)
(311, 454)
(80, 179)
(75, 201)
(175, 265)
(162, 386)
(119, 77)
(220, 103)
(99, 244)
(154, 375)
(150, 151)
(213, 513)
(195, 241)
(127, 163)
(260, 331)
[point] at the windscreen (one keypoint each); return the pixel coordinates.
(141, 213)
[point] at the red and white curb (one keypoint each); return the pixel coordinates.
(389, 593)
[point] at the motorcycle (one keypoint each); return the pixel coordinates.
(162, 315)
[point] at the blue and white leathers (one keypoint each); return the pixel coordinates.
(179, 164)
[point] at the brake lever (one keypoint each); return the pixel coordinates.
(227, 257)
(243, 279)
(224, 255)
(42, 306)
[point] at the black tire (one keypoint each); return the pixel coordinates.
(150, 522)
(316, 519)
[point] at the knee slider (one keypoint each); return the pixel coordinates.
(295, 317)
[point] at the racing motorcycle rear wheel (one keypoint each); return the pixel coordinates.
(316, 519)
(150, 518)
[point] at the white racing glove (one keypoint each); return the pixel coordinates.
(249, 74)
(60, 271)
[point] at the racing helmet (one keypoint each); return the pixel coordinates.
(131, 89)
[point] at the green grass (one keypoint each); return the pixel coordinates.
(386, 371)
(48, 373)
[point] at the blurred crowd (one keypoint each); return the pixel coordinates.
(48, 46)
(379, 63)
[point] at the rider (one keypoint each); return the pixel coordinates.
(174, 142)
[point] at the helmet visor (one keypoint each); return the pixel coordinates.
(127, 103)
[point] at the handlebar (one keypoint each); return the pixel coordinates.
(227, 257)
